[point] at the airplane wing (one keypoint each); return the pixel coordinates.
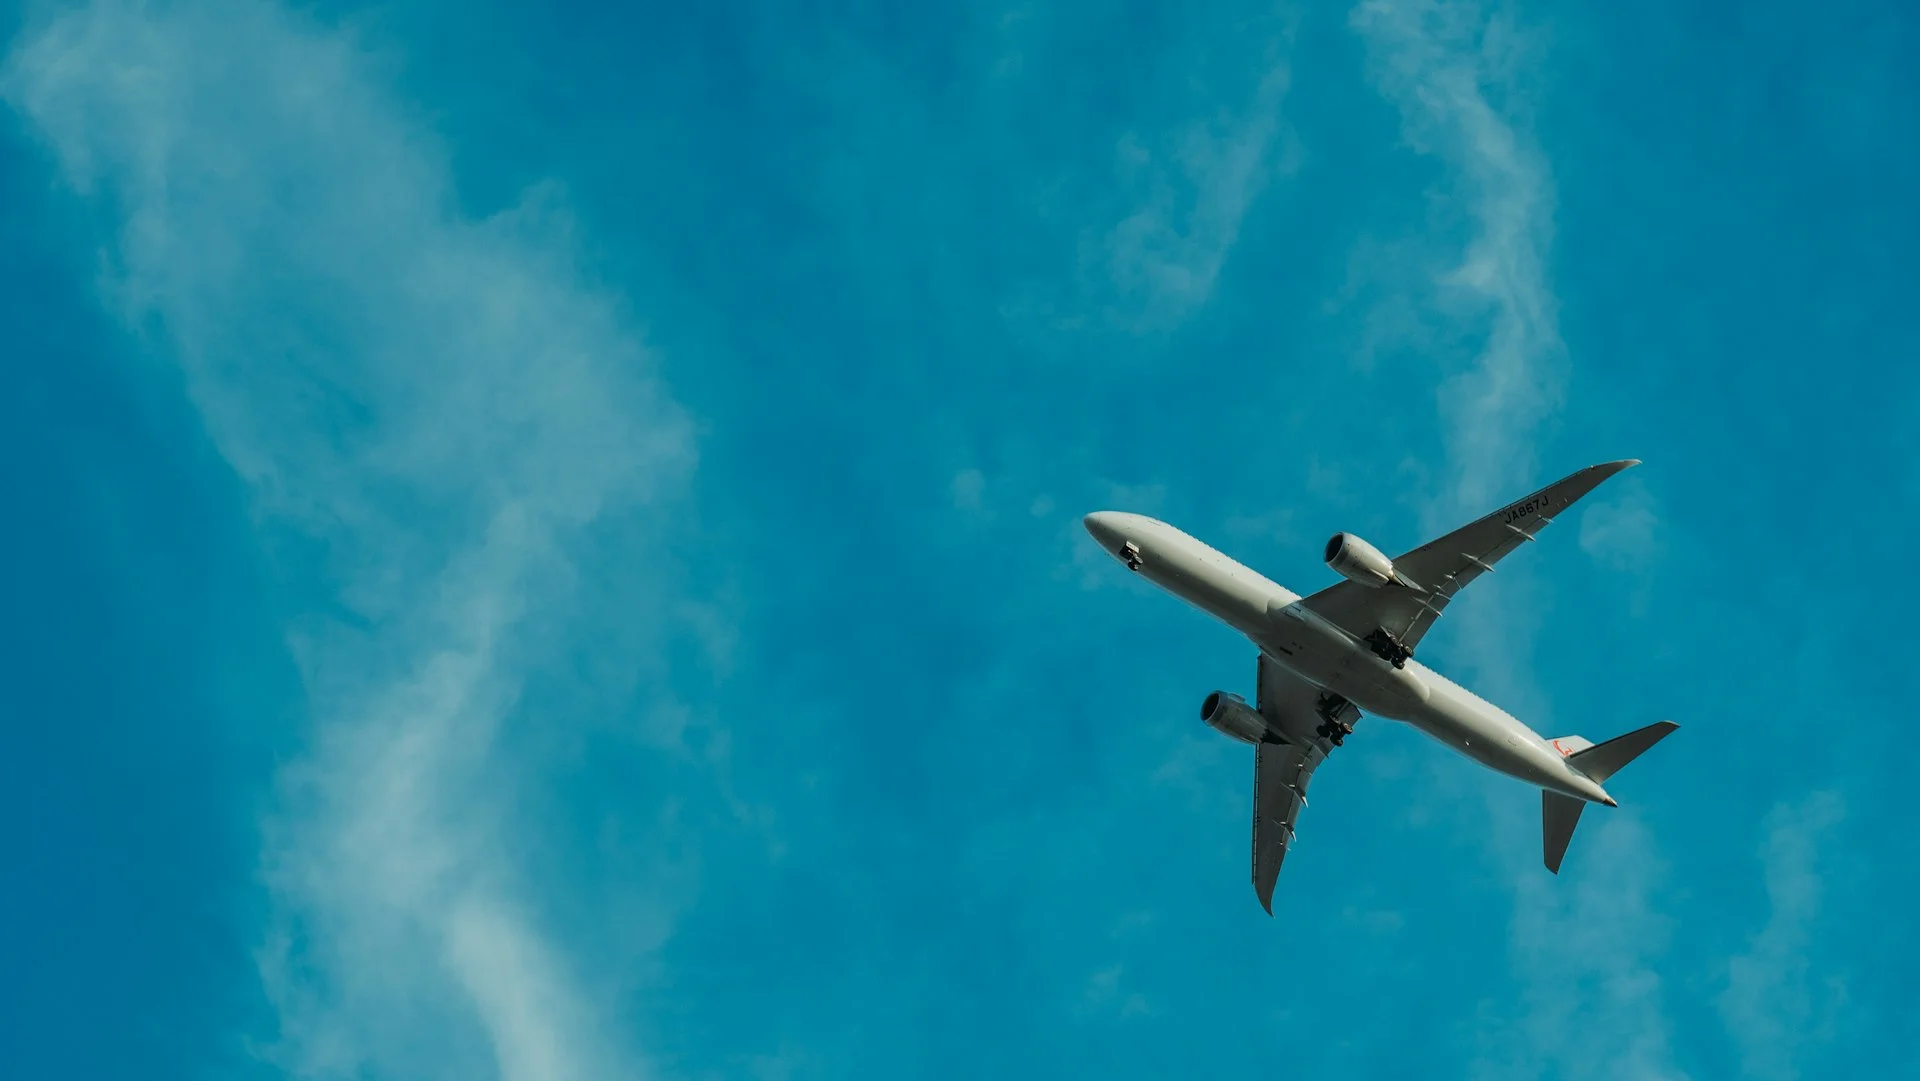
(1442, 567)
(1283, 763)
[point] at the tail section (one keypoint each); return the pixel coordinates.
(1567, 745)
(1560, 814)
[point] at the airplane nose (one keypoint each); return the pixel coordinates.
(1102, 525)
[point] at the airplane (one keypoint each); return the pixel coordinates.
(1325, 658)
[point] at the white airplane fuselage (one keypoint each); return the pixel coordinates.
(1330, 658)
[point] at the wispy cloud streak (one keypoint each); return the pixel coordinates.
(1164, 258)
(1584, 950)
(1772, 1003)
(1436, 60)
(446, 409)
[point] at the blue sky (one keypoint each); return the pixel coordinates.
(545, 540)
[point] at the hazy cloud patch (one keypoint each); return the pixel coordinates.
(1620, 531)
(1190, 193)
(1585, 948)
(969, 486)
(450, 409)
(1774, 1003)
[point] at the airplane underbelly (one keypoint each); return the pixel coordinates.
(1383, 698)
(1332, 662)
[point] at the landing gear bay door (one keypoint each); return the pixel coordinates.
(1302, 725)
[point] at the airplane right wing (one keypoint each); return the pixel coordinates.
(1283, 763)
(1440, 568)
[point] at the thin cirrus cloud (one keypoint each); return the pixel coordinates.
(1622, 530)
(451, 410)
(1433, 61)
(1165, 257)
(1772, 1004)
(1590, 954)
(1586, 958)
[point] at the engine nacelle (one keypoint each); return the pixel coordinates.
(1358, 561)
(1230, 714)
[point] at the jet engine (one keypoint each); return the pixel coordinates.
(1361, 562)
(1230, 714)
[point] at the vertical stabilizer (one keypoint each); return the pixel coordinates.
(1558, 815)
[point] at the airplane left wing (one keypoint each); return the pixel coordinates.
(1283, 763)
(1441, 568)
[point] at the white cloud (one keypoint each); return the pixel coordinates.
(1773, 1004)
(969, 487)
(1107, 993)
(1194, 190)
(449, 409)
(1621, 531)
(1439, 62)
(1585, 947)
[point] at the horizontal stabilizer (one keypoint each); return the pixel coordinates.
(1558, 814)
(1603, 760)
